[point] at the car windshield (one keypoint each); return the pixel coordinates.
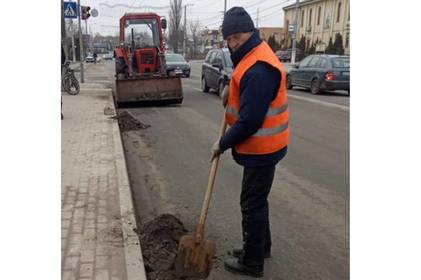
(174, 58)
(340, 62)
(227, 59)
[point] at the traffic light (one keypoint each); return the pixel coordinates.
(85, 12)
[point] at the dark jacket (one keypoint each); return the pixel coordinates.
(258, 87)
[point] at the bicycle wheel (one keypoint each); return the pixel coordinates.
(70, 84)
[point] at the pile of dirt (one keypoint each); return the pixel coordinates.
(159, 240)
(127, 122)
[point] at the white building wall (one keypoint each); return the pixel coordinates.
(328, 26)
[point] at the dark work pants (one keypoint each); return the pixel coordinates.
(256, 185)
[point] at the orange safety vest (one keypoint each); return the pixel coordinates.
(273, 134)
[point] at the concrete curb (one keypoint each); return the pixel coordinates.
(133, 253)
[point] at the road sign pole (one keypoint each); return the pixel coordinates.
(81, 56)
(294, 39)
(63, 23)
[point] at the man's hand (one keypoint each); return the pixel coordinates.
(224, 96)
(216, 151)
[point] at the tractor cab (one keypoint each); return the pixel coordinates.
(140, 60)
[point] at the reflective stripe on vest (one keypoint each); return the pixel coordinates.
(271, 112)
(271, 131)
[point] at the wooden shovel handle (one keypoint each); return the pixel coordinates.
(203, 214)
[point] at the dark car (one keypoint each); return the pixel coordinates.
(320, 72)
(216, 70)
(285, 56)
(177, 65)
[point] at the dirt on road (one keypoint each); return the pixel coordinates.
(159, 240)
(127, 122)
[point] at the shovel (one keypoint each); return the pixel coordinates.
(195, 255)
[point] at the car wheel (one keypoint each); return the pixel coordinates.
(221, 87)
(205, 88)
(349, 92)
(289, 85)
(188, 76)
(315, 86)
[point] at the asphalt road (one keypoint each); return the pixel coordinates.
(168, 166)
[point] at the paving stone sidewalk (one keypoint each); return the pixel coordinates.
(97, 222)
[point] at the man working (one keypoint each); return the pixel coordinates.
(256, 110)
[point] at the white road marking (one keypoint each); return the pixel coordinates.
(194, 76)
(198, 89)
(328, 104)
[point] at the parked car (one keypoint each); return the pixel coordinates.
(108, 56)
(285, 56)
(90, 58)
(216, 70)
(176, 64)
(320, 72)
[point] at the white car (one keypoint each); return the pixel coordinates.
(90, 58)
(108, 56)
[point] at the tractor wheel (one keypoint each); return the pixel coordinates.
(120, 66)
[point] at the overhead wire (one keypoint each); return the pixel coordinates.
(255, 13)
(218, 18)
(252, 14)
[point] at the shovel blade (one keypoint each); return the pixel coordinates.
(194, 259)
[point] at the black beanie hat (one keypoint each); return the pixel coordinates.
(236, 20)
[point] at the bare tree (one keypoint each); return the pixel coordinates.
(175, 32)
(194, 27)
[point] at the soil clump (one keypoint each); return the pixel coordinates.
(159, 240)
(127, 122)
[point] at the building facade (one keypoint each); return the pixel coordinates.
(212, 38)
(318, 21)
(277, 32)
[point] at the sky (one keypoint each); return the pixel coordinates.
(208, 12)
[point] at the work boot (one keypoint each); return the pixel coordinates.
(235, 266)
(236, 252)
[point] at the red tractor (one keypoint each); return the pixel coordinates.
(140, 61)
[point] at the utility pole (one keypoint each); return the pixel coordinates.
(225, 7)
(63, 23)
(87, 35)
(81, 56)
(257, 19)
(185, 31)
(294, 38)
(73, 40)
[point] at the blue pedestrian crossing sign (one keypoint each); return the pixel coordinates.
(70, 9)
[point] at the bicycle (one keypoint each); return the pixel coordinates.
(68, 81)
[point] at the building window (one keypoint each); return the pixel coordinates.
(339, 12)
(302, 19)
(309, 17)
(318, 15)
